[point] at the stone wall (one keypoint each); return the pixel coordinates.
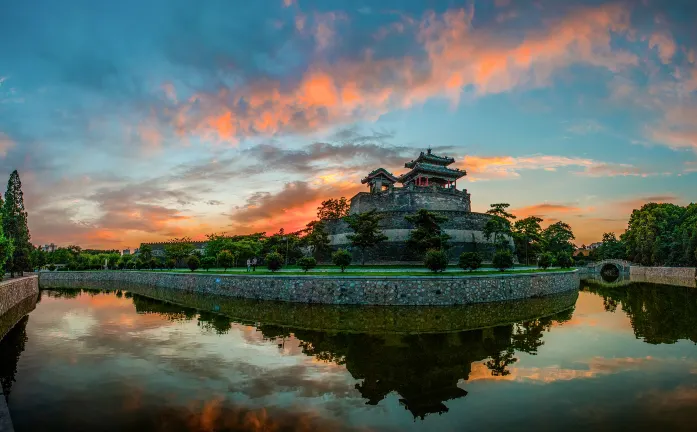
(411, 200)
(666, 273)
(364, 290)
(13, 291)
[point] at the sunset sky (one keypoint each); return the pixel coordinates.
(136, 121)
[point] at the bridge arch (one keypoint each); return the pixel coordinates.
(622, 266)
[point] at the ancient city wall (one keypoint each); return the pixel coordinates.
(663, 272)
(361, 290)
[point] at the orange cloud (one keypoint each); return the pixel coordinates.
(457, 56)
(501, 167)
(665, 45)
(546, 209)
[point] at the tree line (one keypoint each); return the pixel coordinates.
(656, 235)
(15, 247)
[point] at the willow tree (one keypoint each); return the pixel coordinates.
(14, 225)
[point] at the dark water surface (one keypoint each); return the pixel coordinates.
(621, 358)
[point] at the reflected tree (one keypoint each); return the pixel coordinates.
(11, 348)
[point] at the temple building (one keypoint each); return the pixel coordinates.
(430, 183)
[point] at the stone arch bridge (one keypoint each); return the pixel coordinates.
(622, 266)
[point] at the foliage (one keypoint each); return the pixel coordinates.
(342, 258)
(179, 249)
(51, 267)
(436, 260)
(564, 260)
(503, 259)
(427, 233)
(307, 263)
(14, 225)
(6, 252)
(145, 252)
(545, 260)
(662, 234)
(527, 235)
(225, 259)
(333, 209)
(366, 231)
(557, 238)
(287, 244)
(470, 261)
(499, 225)
(193, 262)
(611, 248)
(317, 238)
(170, 264)
(152, 263)
(207, 263)
(274, 261)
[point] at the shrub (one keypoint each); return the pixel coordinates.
(564, 260)
(436, 260)
(342, 258)
(207, 263)
(307, 263)
(225, 259)
(153, 263)
(171, 263)
(51, 267)
(193, 262)
(470, 261)
(545, 260)
(274, 261)
(503, 260)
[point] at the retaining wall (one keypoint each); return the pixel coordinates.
(13, 291)
(664, 272)
(365, 290)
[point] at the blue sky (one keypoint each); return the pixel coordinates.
(144, 120)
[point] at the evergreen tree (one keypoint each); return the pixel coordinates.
(14, 224)
(367, 232)
(427, 233)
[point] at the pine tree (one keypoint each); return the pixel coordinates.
(14, 224)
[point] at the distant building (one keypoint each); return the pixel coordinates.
(158, 248)
(595, 245)
(126, 252)
(49, 248)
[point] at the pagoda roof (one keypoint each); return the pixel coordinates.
(437, 170)
(377, 173)
(430, 158)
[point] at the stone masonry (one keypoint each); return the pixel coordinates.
(360, 290)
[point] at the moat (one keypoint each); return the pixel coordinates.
(603, 358)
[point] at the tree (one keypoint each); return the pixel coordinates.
(470, 261)
(333, 209)
(152, 262)
(342, 258)
(274, 261)
(611, 247)
(145, 252)
(193, 263)
(503, 259)
(207, 262)
(427, 233)
(436, 260)
(170, 263)
(545, 260)
(527, 235)
(179, 249)
(499, 225)
(366, 230)
(14, 224)
(557, 238)
(38, 258)
(307, 263)
(6, 251)
(225, 260)
(317, 238)
(564, 260)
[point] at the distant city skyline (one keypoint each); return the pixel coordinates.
(138, 121)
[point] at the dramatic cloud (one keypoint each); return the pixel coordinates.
(546, 210)
(506, 167)
(457, 55)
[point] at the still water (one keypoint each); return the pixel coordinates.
(619, 357)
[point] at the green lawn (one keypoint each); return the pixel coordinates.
(263, 272)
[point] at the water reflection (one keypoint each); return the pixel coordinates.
(658, 313)
(144, 364)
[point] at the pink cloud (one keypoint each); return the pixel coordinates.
(6, 144)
